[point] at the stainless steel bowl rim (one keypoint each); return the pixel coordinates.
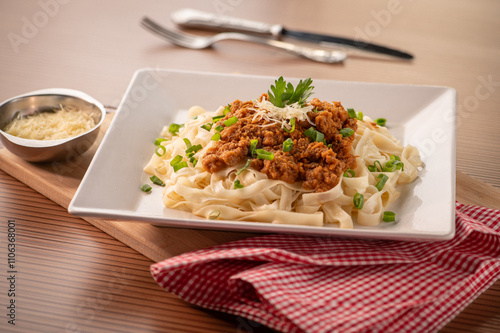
(53, 91)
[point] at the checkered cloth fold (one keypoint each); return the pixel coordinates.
(296, 283)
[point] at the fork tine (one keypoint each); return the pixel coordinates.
(172, 36)
(151, 25)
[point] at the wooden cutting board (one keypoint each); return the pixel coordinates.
(59, 181)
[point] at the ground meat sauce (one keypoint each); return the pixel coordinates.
(314, 163)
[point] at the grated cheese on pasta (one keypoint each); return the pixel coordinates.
(267, 110)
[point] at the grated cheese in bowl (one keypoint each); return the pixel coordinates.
(50, 125)
(63, 123)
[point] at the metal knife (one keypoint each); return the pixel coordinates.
(191, 18)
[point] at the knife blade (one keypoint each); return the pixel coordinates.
(191, 18)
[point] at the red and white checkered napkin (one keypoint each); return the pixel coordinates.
(312, 284)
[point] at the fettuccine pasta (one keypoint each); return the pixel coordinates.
(243, 193)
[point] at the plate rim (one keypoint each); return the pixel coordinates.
(244, 226)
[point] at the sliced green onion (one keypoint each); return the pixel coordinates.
(320, 137)
(176, 160)
(292, 123)
(187, 142)
(157, 180)
(146, 188)
(380, 121)
(264, 154)
(219, 128)
(376, 167)
(287, 145)
(174, 128)
(314, 135)
(346, 132)
(253, 146)
(247, 164)
(352, 113)
(389, 216)
(159, 141)
(230, 121)
(217, 118)
(160, 150)
(381, 183)
(214, 214)
(194, 161)
(397, 162)
(193, 149)
(237, 184)
(207, 126)
(389, 167)
(358, 200)
(227, 109)
(349, 173)
(215, 137)
(180, 165)
(395, 158)
(309, 132)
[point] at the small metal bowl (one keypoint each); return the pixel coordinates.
(49, 100)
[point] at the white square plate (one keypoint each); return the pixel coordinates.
(423, 116)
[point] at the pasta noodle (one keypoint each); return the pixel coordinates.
(261, 199)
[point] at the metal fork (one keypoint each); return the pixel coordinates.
(199, 42)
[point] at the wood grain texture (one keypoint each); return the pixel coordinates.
(72, 277)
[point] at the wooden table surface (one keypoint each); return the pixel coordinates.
(75, 275)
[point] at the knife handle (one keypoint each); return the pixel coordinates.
(194, 18)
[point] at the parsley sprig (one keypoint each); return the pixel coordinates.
(284, 93)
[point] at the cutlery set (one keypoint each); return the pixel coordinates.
(333, 50)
